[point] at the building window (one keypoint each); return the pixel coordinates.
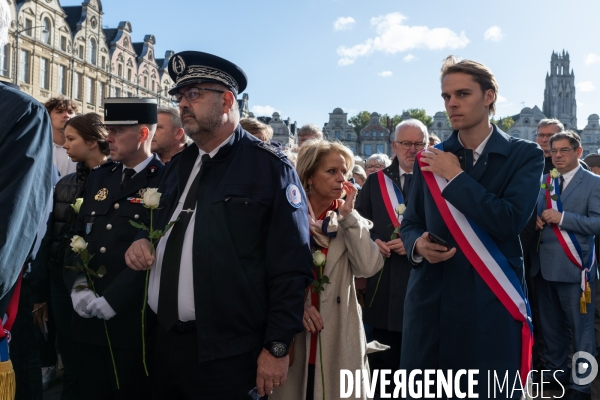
(81, 52)
(588, 139)
(145, 82)
(4, 60)
(93, 50)
(77, 88)
(28, 27)
(24, 69)
(44, 64)
(338, 135)
(62, 79)
(367, 134)
(368, 149)
(381, 148)
(515, 135)
(103, 62)
(117, 92)
(102, 93)
(382, 134)
(153, 85)
(46, 36)
(63, 43)
(439, 124)
(348, 136)
(90, 91)
(120, 70)
(129, 74)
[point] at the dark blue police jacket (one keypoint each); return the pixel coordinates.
(252, 259)
(452, 319)
(25, 178)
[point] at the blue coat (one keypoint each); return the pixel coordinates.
(581, 206)
(452, 320)
(26, 154)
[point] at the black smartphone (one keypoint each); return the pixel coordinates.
(436, 239)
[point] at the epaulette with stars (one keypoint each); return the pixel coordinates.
(107, 164)
(271, 149)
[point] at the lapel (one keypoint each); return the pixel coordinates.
(393, 172)
(498, 143)
(115, 174)
(186, 164)
(571, 186)
(139, 180)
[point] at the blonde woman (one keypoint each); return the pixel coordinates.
(342, 236)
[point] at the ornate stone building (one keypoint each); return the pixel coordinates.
(55, 50)
(339, 129)
(374, 138)
(559, 95)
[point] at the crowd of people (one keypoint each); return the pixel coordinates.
(178, 252)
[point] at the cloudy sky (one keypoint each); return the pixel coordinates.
(306, 57)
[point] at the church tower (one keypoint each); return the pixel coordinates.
(559, 95)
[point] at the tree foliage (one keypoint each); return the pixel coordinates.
(421, 115)
(360, 120)
(390, 122)
(504, 123)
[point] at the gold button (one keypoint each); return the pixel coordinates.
(109, 227)
(116, 206)
(102, 249)
(93, 212)
(136, 216)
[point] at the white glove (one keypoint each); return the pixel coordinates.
(81, 298)
(101, 309)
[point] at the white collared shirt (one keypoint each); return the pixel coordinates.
(138, 168)
(185, 293)
(63, 162)
(568, 177)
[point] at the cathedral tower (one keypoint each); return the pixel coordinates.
(559, 95)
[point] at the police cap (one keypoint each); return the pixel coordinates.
(130, 111)
(190, 67)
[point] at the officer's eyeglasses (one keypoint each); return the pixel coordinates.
(191, 94)
(563, 151)
(408, 145)
(545, 135)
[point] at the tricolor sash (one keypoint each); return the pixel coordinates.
(392, 197)
(491, 265)
(567, 240)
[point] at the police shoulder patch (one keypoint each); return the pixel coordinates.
(271, 149)
(294, 195)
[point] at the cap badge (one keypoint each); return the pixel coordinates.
(178, 65)
(101, 195)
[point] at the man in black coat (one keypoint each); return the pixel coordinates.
(384, 298)
(229, 278)
(112, 198)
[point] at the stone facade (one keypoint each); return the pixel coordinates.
(525, 126)
(64, 51)
(440, 126)
(339, 129)
(374, 138)
(559, 95)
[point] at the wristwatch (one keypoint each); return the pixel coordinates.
(277, 349)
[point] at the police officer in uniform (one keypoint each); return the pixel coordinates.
(229, 278)
(113, 198)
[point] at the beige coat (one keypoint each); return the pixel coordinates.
(351, 254)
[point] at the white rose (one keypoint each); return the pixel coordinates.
(319, 258)
(78, 244)
(400, 209)
(554, 173)
(152, 198)
(77, 205)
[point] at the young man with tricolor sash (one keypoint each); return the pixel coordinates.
(465, 306)
(569, 217)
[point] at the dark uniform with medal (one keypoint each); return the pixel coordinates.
(112, 198)
(250, 260)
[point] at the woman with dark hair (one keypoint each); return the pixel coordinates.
(85, 143)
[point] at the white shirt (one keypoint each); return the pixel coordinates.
(137, 168)
(63, 162)
(567, 177)
(185, 293)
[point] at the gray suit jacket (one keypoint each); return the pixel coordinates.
(581, 206)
